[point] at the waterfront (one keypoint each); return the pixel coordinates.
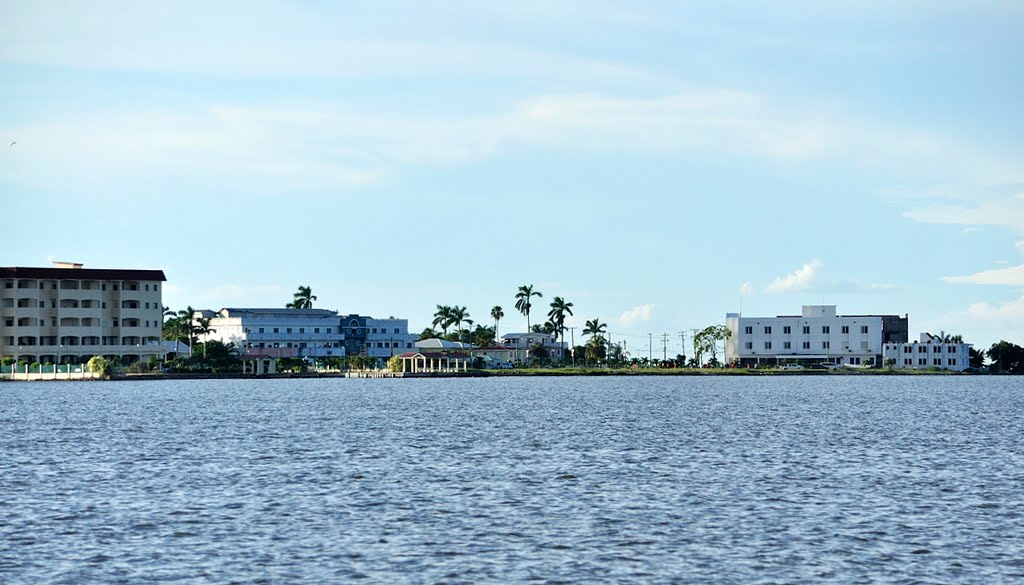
(730, 479)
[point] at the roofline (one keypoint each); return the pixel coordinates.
(81, 273)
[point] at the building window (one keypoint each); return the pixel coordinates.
(277, 330)
(767, 330)
(328, 330)
(864, 329)
(937, 361)
(952, 361)
(824, 345)
(396, 331)
(767, 345)
(807, 345)
(302, 329)
(316, 330)
(749, 345)
(922, 349)
(908, 361)
(825, 329)
(261, 330)
(786, 330)
(922, 362)
(748, 330)
(846, 328)
(786, 345)
(807, 329)
(288, 330)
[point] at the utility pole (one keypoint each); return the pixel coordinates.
(682, 342)
(572, 349)
(664, 347)
(650, 346)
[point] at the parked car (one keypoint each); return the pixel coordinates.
(792, 367)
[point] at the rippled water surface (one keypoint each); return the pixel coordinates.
(770, 479)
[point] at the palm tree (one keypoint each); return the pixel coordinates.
(460, 315)
(559, 308)
(203, 328)
(187, 327)
(523, 304)
(443, 317)
(304, 298)
(496, 313)
(596, 328)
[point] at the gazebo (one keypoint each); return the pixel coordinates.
(420, 363)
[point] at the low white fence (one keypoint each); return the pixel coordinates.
(47, 372)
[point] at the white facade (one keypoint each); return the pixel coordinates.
(388, 337)
(314, 333)
(68, 313)
(520, 344)
(309, 332)
(818, 334)
(930, 352)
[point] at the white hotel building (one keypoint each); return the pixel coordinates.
(67, 314)
(312, 333)
(817, 335)
(931, 352)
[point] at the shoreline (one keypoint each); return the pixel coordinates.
(524, 372)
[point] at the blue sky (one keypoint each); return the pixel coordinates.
(651, 162)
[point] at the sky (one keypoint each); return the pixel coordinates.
(657, 164)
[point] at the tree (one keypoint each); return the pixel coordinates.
(203, 328)
(559, 309)
(428, 333)
(706, 341)
(460, 315)
(443, 317)
(595, 328)
(523, 301)
(496, 313)
(1007, 358)
(186, 325)
(304, 298)
(482, 336)
(595, 349)
(977, 358)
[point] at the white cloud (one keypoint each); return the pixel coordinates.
(799, 280)
(1013, 276)
(1009, 313)
(638, 314)
(1006, 211)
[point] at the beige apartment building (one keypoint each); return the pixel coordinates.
(67, 314)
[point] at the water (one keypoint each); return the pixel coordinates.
(853, 479)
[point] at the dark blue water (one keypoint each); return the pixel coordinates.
(853, 479)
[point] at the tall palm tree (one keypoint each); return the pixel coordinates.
(187, 327)
(523, 301)
(497, 313)
(304, 298)
(559, 309)
(459, 316)
(203, 328)
(443, 317)
(596, 328)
